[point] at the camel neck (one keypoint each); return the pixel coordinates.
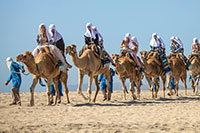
(78, 62)
(31, 66)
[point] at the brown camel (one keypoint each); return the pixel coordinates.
(153, 70)
(89, 63)
(178, 71)
(44, 66)
(194, 70)
(126, 69)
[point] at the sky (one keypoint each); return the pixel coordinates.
(19, 21)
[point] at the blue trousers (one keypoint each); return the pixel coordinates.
(104, 86)
(52, 90)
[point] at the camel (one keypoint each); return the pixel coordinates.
(126, 69)
(178, 71)
(89, 63)
(44, 67)
(194, 70)
(153, 70)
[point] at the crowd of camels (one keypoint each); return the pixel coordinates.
(89, 63)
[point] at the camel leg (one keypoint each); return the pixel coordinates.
(107, 77)
(176, 79)
(48, 91)
(163, 78)
(154, 81)
(196, 85)
(168, 83)
(183, 79)
(148, 81)
(132, 89)
(138, 89)
(63, 79)
(97, 88)
(192, 84)
(35, 81)
(90, 87)
(55, 81)
(79, 90)
(124, 86)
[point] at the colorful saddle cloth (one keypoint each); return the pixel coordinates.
(165, 64)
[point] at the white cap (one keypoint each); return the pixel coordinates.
(89, 24)
(52, 26)
(9, 59)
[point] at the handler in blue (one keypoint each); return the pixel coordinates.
(103, 85)
(52, 91)
(15, 76)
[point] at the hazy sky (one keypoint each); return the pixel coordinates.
(114, 18)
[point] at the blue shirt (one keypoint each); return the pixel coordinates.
(15, 75)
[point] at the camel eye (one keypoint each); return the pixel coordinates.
(24, 56)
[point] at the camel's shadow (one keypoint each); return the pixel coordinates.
(149, 102)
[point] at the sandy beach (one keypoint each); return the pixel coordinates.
(170, 114)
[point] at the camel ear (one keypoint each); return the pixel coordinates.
(73, 45)
(27, 53)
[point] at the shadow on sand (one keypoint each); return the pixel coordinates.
(144, 102)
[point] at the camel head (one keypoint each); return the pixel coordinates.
(143, 54)
(71, 49)
(26, 57)
(115, 58)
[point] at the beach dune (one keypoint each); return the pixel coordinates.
(170, 114)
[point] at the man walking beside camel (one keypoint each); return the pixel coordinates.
(15, 76)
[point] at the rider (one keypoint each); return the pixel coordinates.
(195, 46)
(156, 45)
(177, 47)
(57, 40)
(127, 44)
(45, 42)
(135, 44)
(91, 38)
(104, 53)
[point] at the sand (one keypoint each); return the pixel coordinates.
(170, 114)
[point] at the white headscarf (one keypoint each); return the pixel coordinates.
(178, 40)
(194, 40)
(99, 35)
(88, 33)
(130, 44)
(134, 39)
(9, 60)
(47, 33)
(161, 41)
(154, 42)
(56, 36)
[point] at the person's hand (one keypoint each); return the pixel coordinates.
(23, 70)
(6, 83)
(99, 82)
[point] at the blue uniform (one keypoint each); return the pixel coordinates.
(52, 90)
(102, 79)
(15, 75)
(154, 85)
(172, 83)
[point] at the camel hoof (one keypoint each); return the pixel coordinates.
(31, 103)
(104, 99)
(168, 94)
